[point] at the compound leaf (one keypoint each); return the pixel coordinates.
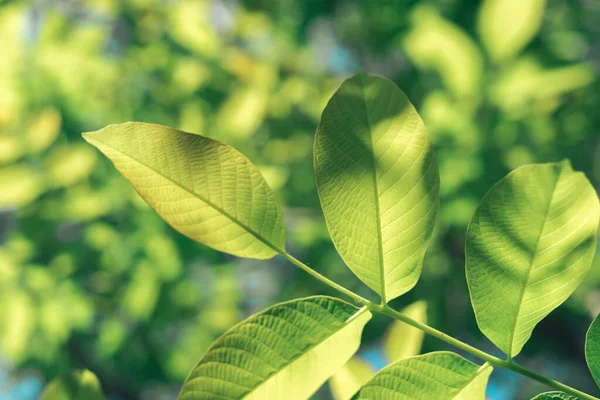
(285, 352)
(378, 182)
(203, 188)
(592, 349)
(438, 375)
(74, 385)
(554, 396)
(529, 245)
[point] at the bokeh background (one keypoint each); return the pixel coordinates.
(91, 277)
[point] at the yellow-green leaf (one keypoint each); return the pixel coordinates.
(529, 245)
(203, 188)
(378, 182)
(506, 26)
(285, 352)
(350, 378)
(401, 339)
(74, 385)
(592, 349)
(439, 376)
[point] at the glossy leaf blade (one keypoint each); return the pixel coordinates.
(529, 245)
(74, 385)
(592, 349)
(554, 396)
(378, 182)
(403, 340)
(348, 380)
(439, 375)
(203, 188)
(287, 351)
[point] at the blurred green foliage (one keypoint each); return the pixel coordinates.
(91, 277)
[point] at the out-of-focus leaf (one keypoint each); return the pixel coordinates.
(506, 26)
(378, 182)
(348, 380)
(19, 185)
(436, 43)
(17, 323)
(74, 385)
(529, 245)
(592, 349)
(241, 115)
(439, 375)
(203, 188)
(287, 351)
(401, 339)
(43, 130)
(68, 165)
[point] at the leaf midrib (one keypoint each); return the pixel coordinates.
(197, 195)
(344, 325)
(531, 264)
(376, 193)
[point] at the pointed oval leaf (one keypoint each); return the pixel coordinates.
(74, 385)
(439, 375)
(403, 340)
(203, 188)
(592, 349)
(378, 182)
(286, 352)
(529, 245)
(554, 396)
(348, 380)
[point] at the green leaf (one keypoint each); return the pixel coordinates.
(348, 380)
(378, 182)
(529, 245)
(403, 340)
(74, 385)
(507, 26)
(439, 375)
(287, 351)
(592, 349)
(554, 396)
(203, 188)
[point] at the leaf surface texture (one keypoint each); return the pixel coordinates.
(285, 352)
(529, 245)
(203, 188)
(378, 182)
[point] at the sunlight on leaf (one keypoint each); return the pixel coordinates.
(348, 380)
(378, 182)
(287, 351)
(439, 375)
(529, 245)
(203, 188)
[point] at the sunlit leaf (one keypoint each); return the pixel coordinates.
(20, 184)
(554, 396)
(203, 188)
(506, 26)
(348, 380)
(378, 182)
(439, 375)
(74, 385)
(529, 245)
(592, 350)
(286, 352)
(401, 339)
